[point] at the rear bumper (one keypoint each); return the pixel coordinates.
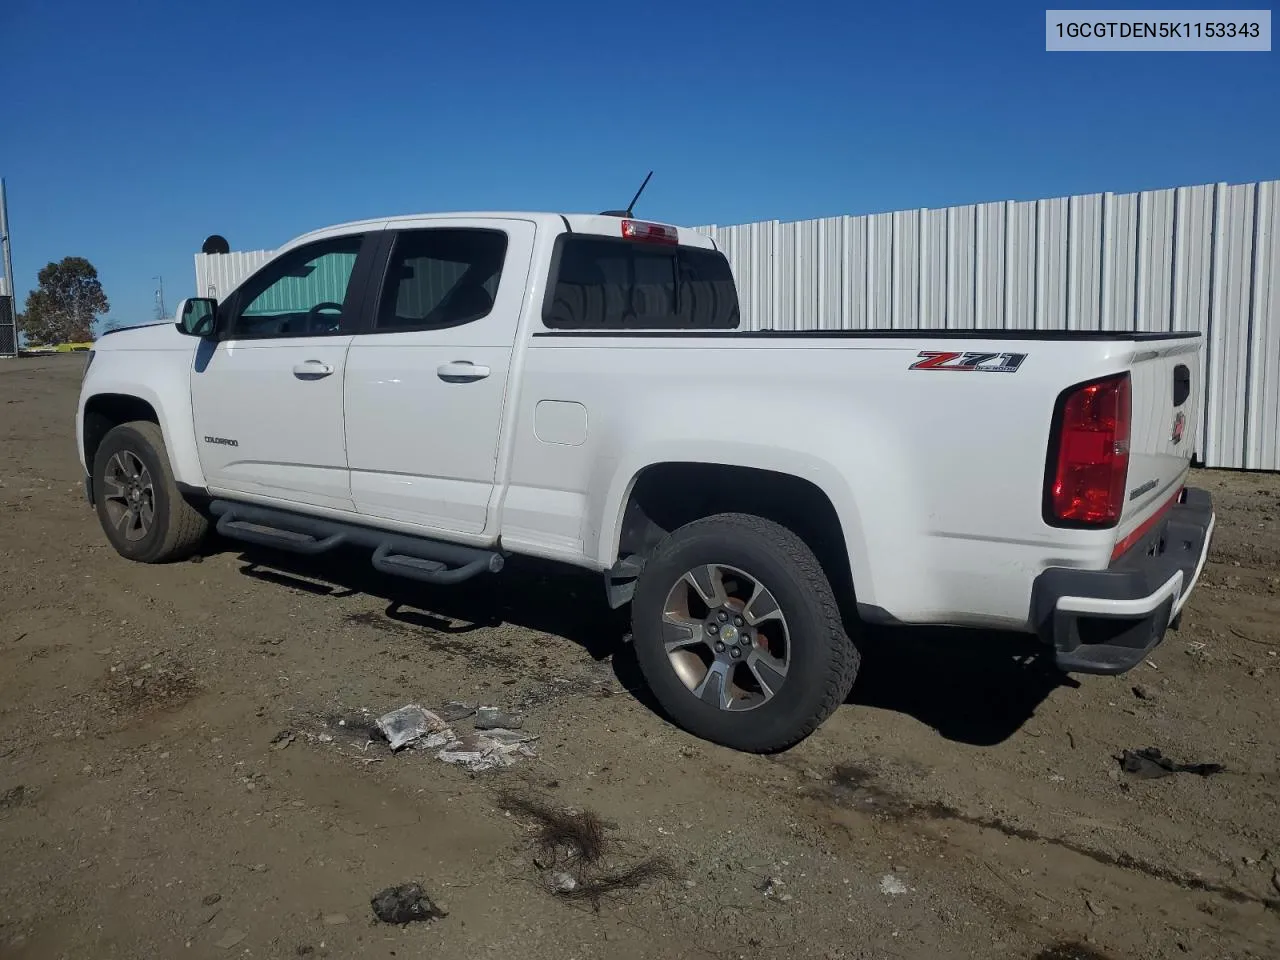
(1107, 621)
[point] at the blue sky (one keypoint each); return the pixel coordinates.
(131, 131)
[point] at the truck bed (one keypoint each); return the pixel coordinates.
(939, 475)
(940, 333)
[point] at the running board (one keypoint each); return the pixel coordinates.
(429, 561)
(267, 536)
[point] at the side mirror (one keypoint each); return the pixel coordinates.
(196, 316)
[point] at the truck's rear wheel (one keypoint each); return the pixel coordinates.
(739, 635)
(139, 504)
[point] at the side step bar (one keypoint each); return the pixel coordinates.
(430, 561)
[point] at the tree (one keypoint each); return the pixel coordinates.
(63, 307)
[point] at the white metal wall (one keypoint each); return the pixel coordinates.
(218, 273)
(1201, 258)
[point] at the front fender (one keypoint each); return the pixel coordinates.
(161, 379)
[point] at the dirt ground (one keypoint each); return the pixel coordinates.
(966, 802)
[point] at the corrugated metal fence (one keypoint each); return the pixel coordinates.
(218, 273)
(1201, 258)
(1191, 258)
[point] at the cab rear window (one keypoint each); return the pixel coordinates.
(605, 284)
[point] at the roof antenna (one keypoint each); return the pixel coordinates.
(631, 206)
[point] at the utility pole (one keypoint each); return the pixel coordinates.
(8, 290)
(161, 312)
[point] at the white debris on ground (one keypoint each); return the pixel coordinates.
(562, 882)
(891, 886)
(772, 888)
(407, 724)
(421, 729)
(484, 751)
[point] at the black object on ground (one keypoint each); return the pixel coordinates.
(1149, 763)
(13, 796)
(562, 834)
(405, 904)
(572, 847)
(596, 884)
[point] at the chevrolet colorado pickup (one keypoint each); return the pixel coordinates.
(448, 390)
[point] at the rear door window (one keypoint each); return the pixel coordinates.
(606, 284)
(441, 277)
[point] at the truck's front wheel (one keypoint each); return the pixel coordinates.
(139, 504)
(739, 635)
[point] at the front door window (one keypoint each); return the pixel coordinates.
(303, 293)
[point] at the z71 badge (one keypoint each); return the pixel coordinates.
(971, 361)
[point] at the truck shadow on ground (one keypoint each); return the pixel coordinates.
(972, 687)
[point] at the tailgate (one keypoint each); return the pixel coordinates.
(1163, 430)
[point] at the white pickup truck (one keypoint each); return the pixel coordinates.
(448, 390)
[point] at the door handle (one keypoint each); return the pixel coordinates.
(312, 370)
(461, 371)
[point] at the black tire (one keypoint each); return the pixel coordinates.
(177, 528)
(824, 661)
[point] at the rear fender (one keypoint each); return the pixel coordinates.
(608, 512)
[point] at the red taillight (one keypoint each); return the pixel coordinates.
(651, 232)
(1088, 477)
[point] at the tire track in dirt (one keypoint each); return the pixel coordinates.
(854, 788)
